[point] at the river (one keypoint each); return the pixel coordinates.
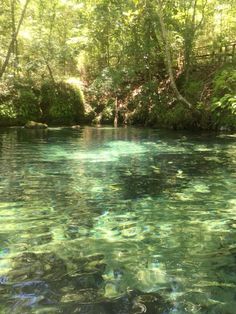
(90, 216)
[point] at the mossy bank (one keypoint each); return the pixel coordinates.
(50, 102)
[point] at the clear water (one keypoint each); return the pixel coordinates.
(87, 215)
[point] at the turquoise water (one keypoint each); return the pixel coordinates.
(94, 220)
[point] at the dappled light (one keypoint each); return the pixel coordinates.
(84, 221)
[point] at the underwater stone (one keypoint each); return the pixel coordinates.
(122, 305)
(92, 264)
(32, 266)
(95, 257)
(83, 296)
(84, 308)
(111, 290)
(95, 267)
(90, 258)
(135, 302)
(150, 303)
(85, 281)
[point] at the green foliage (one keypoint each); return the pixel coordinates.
(143, 104)
(175, 117)
(7, 114)
(110, 82)
(26, 102)
(193, 88)
(223, 103)
(117, 47)
(61, 103)
(224, 82)
(105, 89)
(156, 106)
(224, 112)
(18, 102)
(108, 112)
(7, 110)
(58, 102)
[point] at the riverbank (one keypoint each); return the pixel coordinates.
(211, 91)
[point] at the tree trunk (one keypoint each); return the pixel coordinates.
(168, 56)
(189, 36)
(50, 72)
(13, 40)
(14, 46)
(116, 113)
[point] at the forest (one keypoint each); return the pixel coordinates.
(156, 63)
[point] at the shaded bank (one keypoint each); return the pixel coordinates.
(211, 89)
(47, 101)
(152, 103)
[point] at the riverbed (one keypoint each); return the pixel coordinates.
(90, 216)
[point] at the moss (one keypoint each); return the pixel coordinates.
(35, 125)
(58, 103)
(62, 103)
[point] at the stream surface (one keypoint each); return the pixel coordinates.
(90, 216)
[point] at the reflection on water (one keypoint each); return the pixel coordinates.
(117, 221)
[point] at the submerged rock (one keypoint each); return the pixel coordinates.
(150, 303)
(83, 308)
(42, 279)
(92, 264)
(95, 267)
(83, 296)
(40, 266)
(86, 281)
(138, 302)
(134, 302)
(35, 125)
(35, 292)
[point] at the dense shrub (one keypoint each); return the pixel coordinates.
(216, 110)
(176, 116)
(145, 104)
(8, 112)
(224, 112)
(193, 89)
(26, 103)
(108, 112)
(58, 103)
(223, 102)
(224, 82)
(18, 103)
(61, 103)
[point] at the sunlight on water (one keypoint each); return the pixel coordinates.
(126, 216)
(109, 152)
